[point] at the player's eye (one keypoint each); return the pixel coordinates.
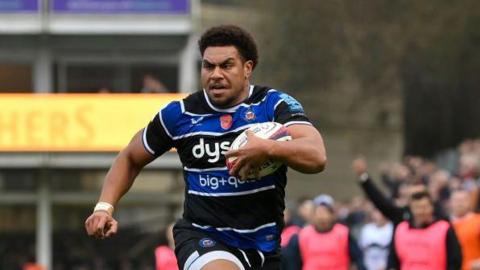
(208, 66)
(227, 65)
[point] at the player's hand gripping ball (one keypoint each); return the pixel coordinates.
(266, 130)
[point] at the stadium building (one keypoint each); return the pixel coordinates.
(73, 90)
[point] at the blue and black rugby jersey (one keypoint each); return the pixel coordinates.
(243, 214)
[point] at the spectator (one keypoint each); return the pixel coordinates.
(375, 240)
(467, 227)
(398, 177)
(290, 228)
(164, 255)
(357, 214)
(288, 232)
(104, 90)
(424, 242)
(387, 207)
(33, 266)
(152, 84)
(304, 210)
(324, 244)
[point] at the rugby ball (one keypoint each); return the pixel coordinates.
(266, 130)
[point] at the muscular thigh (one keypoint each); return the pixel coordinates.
(220, 265)
(196, 250)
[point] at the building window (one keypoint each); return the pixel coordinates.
(15, 78)
(116, 78)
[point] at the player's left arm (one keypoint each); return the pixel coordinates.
(304, 153)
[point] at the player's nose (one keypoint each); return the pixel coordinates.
(216, 73)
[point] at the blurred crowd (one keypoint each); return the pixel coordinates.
(151, 84)
(413, 204)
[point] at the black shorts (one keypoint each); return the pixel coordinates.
(195, 248)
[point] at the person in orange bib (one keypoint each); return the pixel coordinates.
(467, 227)
(325, 244)
(424, 242)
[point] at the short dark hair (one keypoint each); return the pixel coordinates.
(230, 35)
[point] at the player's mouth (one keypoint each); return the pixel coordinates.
(218, 89)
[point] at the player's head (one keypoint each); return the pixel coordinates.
(422, 208)
(460, 203)
(324, 214)
(229, 55)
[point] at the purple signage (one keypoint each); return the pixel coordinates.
(121, 6)
(18, 6)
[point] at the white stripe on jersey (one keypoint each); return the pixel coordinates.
(145, 143)
(276, 104)
(261, 256)
(194, 256)
(163, 124)
(222, 229)
(226, 194)
(205, 170)
(297, 123)
(196, 114)
(203, 260)
(182, 106)
(245, 257)
(230, 110)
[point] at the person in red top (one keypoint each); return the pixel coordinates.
(288, 232)
(467, 227)
(164, 255)
(325, 244)
(290, 228)
(424, 242)
(32, 266)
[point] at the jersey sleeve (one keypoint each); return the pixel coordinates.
(158, 135)
(288, 111)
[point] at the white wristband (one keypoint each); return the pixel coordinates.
(104, 206)
(363, 177)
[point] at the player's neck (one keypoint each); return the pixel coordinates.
(242, 97)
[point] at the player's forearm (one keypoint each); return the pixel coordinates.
(119, 179)
(306, 155)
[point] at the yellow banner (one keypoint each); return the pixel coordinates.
(75, 122)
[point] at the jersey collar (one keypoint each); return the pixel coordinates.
(229, 110)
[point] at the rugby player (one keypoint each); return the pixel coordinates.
(229, 222)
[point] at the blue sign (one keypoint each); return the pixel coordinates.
(121, 6)
(18, 6)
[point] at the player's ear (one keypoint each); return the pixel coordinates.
(248, 68)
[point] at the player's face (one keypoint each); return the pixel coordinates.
(225, 76)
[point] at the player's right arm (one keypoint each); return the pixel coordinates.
(125, 168)
(118, 181)
(145, 146)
